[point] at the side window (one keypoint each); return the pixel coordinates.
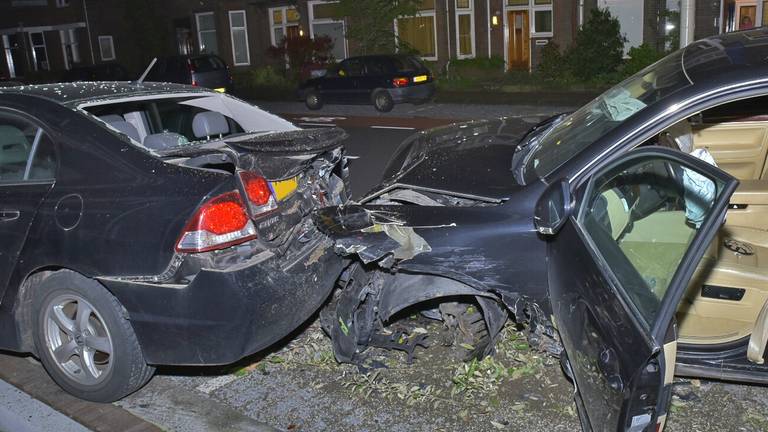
(642, 217)
(375, 67)
(21, 151)
(351, 68)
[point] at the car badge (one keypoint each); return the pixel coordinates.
(739, 247)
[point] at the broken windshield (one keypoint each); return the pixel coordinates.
(585, 126)
(163, 122)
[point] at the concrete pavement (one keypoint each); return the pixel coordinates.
(19, 412)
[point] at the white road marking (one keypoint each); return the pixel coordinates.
(214, 384)
(321, 119)
(393, 127)
(318, 124)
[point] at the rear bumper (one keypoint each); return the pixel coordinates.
(417, 93)
(223, 316)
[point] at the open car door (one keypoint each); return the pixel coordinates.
(622, 250)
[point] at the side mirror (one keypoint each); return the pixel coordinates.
(553, 208)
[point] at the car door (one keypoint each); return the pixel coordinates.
(342, 83)
(27, 166)
(617, 269)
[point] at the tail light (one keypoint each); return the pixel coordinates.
(259, 193)
(192, 70)
(217, 224)
(400, 82)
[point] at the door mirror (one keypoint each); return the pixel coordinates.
(553, 208)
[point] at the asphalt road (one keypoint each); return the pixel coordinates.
(371, 142)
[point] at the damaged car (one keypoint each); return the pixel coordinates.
(602, 231)
(148, 224)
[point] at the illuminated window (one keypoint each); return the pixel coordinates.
(285, 23)
(465, 28)
(418, 32)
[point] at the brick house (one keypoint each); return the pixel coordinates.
(55, 35)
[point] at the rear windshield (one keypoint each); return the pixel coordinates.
(207, 63)
(407, 64)
(161, 123)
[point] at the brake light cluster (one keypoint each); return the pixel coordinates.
(400, 82)
(223, 221)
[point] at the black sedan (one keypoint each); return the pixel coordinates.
(597, 229)
(382, 80)
(146, 224)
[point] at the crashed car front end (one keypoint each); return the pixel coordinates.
(450, 223)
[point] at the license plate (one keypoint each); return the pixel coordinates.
(419, 78)
(284, 188)
(220, 89)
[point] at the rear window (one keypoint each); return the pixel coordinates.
(407, 64)
(207, 63)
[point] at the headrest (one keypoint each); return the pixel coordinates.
(209, 123)
(127, 128)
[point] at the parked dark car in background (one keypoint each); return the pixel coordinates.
(204, 70)
(98, 72)
(381, 80)
(152, 224)
(599, 230)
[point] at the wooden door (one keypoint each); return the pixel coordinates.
(519, 39)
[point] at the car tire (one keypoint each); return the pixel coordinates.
(382, 101)
(96, 358)
(470, 332)
(313, 100)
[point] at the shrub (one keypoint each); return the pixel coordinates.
(303, 52)
(551, 66)
(598, 47)
(640, 57)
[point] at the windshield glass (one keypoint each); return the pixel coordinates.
(577, 131)
(163, 122)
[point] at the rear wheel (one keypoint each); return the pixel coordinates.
(84, 340)
(382, 101)
(313, 100)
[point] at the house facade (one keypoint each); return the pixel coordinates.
(41, 36)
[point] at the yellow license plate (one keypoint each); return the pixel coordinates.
(220, 90)
(284, 188)
(419, 78)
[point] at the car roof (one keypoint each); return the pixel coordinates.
(70, 94)
(727, 58)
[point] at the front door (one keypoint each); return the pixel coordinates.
(617, 270)
(519, 40)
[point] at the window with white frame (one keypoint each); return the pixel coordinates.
(39, 51)
(465, 28)
(70, 47)
(418, 32)
(206, 33)
(540, 11)
(238, 29)
(106, 48)
(284, 22)
(324, 20)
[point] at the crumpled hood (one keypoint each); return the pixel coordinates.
(471, 159)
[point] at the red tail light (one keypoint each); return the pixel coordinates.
(259, 193)
(219, 223)
(192, 70)
(400, 82)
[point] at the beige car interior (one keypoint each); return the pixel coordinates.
(728, 296)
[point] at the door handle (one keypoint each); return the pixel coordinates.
(9, 215)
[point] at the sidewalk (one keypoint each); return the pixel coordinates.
(19, 412)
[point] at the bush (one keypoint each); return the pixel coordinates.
(551, 66)
(639, 58)
(263, 83)
(598, 48)
(476, 69)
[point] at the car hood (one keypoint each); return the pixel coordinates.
(472, 159)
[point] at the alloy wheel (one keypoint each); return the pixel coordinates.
(77, 339)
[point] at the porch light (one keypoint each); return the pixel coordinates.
(495, 20)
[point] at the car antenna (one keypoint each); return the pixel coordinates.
(146, 72)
